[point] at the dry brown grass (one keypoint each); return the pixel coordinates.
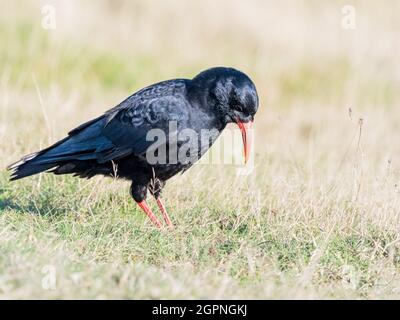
(318, 218)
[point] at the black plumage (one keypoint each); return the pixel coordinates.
(115, 143)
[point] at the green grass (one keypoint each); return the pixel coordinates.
(101, 238)
(318, 217)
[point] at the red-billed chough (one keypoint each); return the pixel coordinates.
(153, 134)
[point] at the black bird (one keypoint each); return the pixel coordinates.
(122, 143)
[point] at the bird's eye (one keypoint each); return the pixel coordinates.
(239, 108)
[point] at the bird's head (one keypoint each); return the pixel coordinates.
(233, 96)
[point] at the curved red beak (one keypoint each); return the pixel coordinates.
(247, 135)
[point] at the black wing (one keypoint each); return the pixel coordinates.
(152, 108)
(118, 133)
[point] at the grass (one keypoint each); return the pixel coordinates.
(318, 217)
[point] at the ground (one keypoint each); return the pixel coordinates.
(317, 218)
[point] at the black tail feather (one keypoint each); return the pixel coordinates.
(26, 170)
(81, 152)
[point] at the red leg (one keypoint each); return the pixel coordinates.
(164, 212)
(149, 213)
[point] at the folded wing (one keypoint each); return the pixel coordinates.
(118, 133)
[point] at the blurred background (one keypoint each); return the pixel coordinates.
(63, 62)
(327, 153)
